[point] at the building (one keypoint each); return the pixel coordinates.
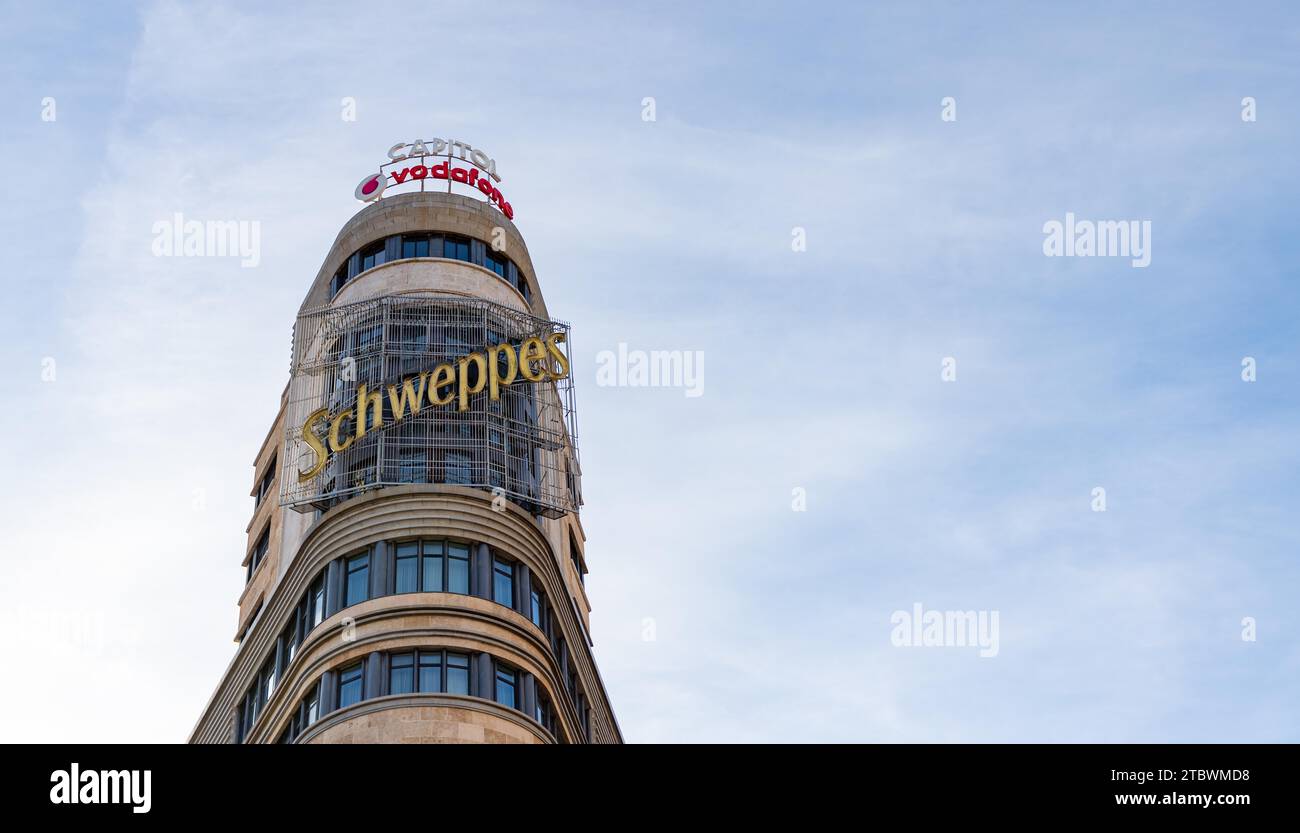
(415, 559)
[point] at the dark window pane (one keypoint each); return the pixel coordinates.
(535, 609)
(459, 465)
(431, 671)
(458, 568)
(358, 580)
(456, 247)
(350, 686)
(543, 709)
(268, 679)
(432, 578)
(505, 687)
(503, 582)
(407, 567)
(411, 466)
(318, 601)
(457, 674)
(401, 676)
(313, 705)
(415, 246)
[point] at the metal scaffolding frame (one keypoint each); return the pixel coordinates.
(523, 444)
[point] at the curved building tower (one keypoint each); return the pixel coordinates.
(415, 559)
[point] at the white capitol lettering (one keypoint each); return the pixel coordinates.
(444, 147)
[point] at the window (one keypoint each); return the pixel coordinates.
(368, 337)
(424, 671)
(505, 693)
(266, 680)
(457, 674)
(503, 582)
(259, 552)
(316, 599)
(431, 567)
(247, 712)
(537, 609)
(306, 713)
(358, 579)
(311, 706)
(289, 638)
(267, 483)
(458, 568)
(433, 244)
(496, 458)
(415, 245)
(372, 256)
(408, 567)
(542, 710)
(459, 468)
(431, 671)
(496, 263)
(456, 248)
(575, 555)
(411, 466)
(350, 685)
(431, 581)
(401, 674)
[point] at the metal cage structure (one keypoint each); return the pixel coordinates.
(522, 446)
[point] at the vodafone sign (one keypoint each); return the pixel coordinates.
(425, 160)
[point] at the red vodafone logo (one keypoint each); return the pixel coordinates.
(477, 171)
(371, 188)
(465, 176)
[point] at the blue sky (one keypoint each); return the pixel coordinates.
(127, 498)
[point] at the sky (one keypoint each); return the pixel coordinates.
(905, 400)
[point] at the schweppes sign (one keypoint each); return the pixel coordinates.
(534, 360)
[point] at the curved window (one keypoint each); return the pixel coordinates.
(432, 580)
(358, 579)
(408, 567)
(401, 674)
(426, 671)
(431, 567)
(458, 568)
(538, 610)
(415, 245)
(503, 582)
(457, 674)
(496, 263)
(316, 597)
(506, 683)
(351, 685)
(372, 256)
(431, 671)
(456, 248)
(430, 244)
(542, 712)
(421, 565)
(259, 552)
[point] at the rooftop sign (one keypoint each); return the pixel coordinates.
(424, 160)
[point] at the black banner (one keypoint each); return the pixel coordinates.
(137, 784)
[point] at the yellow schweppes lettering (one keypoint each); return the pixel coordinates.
(534, 360)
